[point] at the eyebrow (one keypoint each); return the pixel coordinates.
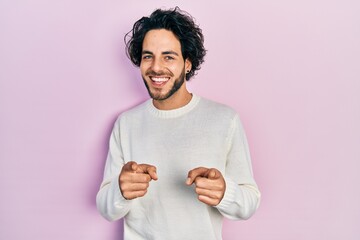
(170, 53)
(163, 53)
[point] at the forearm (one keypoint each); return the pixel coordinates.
(110, 202)
(239, 201)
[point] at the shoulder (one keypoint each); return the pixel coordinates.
(219, 109)
(134, 113)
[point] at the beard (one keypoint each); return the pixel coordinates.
(156, 95)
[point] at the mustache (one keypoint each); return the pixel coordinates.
(160, 73)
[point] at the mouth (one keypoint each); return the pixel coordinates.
(159, 81)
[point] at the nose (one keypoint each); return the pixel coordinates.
(156, 65)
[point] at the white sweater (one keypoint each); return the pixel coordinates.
(201, 134)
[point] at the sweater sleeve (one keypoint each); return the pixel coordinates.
(109, 200)
(242, 196)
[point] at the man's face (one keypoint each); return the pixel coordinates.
(162, 64)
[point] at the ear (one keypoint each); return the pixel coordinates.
(188, 65)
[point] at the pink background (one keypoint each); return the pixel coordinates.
(290, 68)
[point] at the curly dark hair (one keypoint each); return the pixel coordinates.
(179, 23)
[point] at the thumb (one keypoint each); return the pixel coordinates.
(130, 166)
(213, 174)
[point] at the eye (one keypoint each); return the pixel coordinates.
(169, 58)
(146, 57)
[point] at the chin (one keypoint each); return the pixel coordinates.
(159, 97)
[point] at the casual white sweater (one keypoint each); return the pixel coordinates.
(201, 134)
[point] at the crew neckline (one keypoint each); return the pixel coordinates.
(173, 113)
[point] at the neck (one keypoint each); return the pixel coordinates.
(179, 99)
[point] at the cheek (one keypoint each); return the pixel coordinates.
(177, 69)
(143, 68)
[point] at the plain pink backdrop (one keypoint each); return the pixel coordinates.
(290, 68)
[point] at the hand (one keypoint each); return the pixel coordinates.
(209, 184)
(134, 179)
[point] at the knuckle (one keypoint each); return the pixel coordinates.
(122, 176)
(201, 182)
(132, 178)
(146, 178)
(213, 194)
(123, 187)
(217, 186)
(198, 181)
(217, 195)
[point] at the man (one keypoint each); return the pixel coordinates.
(177, 163)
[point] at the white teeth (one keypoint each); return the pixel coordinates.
(158, 79)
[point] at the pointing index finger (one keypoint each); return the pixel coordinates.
(196, 172)
(149, 169)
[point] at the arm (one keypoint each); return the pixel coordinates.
(109, 200)
(242, 196)
(122, 181)
(240, 201)
(236, 195)
(234, 201)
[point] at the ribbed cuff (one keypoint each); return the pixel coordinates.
(229, 196)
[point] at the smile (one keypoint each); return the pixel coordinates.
(159, 80)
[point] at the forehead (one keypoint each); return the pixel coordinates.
(161, 40)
